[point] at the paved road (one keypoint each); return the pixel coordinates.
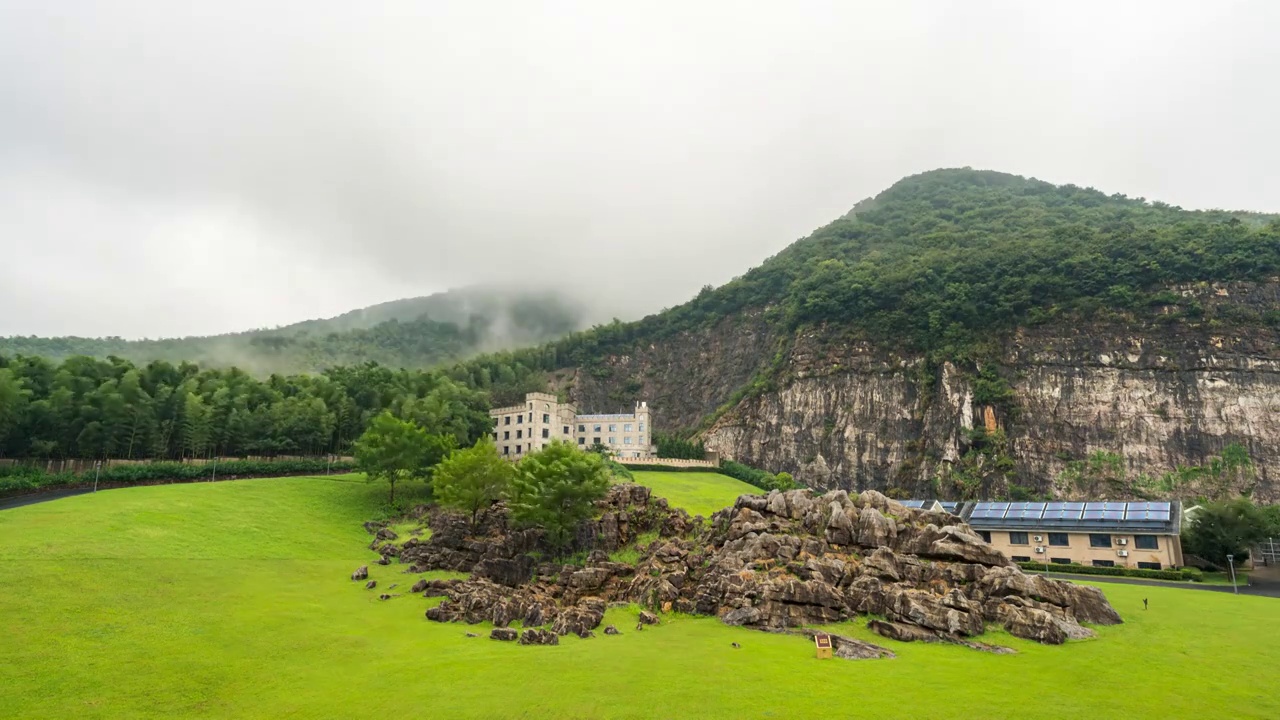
(1264, 586)
(34, 498)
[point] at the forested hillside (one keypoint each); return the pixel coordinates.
(411, 333)
(948, 261)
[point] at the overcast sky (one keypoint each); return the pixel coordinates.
(177, 168)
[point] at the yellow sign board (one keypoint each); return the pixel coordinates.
(822, 642)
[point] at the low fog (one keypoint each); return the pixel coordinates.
(178, 168)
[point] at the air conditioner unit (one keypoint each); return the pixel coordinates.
(1040, 550)
(1039, 538)
(1122, 541)
(1122, 553)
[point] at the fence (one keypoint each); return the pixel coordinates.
(669, 462)
(80, 466)
(1268, 552)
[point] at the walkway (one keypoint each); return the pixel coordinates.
(33, 498)
(1266, 585)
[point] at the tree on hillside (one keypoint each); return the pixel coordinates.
(394, 450)
(471, 480)
(556, 488)
(1227, 528)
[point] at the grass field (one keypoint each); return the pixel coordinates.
(232, 600)
(700, 493)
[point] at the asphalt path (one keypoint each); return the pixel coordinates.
(1259, 585)
(33, 498)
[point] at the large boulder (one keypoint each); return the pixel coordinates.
(538, 636)
(503, 633)
(361, 573)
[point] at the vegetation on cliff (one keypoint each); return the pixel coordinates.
(947, 261)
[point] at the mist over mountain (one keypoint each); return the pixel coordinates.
(411, 333)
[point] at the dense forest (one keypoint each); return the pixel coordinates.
(413, 333)
(89, 408)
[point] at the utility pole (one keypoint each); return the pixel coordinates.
(1231, 562)
(97, 469)
(215, 471)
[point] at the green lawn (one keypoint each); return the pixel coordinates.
(232, 600)
(700, 493)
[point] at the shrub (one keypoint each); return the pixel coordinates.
(1111, 571)
(1192, 574)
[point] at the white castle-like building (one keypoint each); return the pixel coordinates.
(521, 429)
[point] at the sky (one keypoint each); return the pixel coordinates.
(172, 169)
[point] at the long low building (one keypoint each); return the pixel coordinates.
(1103, 534)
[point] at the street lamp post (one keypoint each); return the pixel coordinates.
(97, 469)
(1231, 563)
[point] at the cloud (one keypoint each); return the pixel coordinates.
(168, 169)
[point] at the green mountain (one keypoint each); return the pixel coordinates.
(412, 333)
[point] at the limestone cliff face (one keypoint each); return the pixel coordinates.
(849, 414)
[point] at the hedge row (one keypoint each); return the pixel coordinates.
(1074, 569)
(16, 479)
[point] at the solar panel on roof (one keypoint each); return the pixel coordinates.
(1094, 510)
(913, 503)
(1025, 511)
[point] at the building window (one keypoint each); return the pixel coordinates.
(613, 440)
(1146, 542)
(506, 420)
(626, 440)
(1059, 540)
(582, 428)
(546, 432)
(582, 441)
(546, 406)
(520, 419)
(1149, 566)
(519, 434)
(596, 429)
(506, 449)
(1060, 561)
(1104, 563)
(595, 441)
(1020, 558)
(546, 418)
(641, 427)
(1100, 541)
(613, 428)
(506, 434)
(517, 449)
(985, 535)
(626, 428)
(1018, 538)
(495, 437)
(566, 429)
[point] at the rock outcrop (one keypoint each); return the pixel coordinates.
(781, 561)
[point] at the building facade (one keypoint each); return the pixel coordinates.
(521, 429)
(1143, 535)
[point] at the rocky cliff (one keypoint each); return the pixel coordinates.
(1162, 390)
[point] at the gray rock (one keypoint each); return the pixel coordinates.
(648, 618)
(505, 634)
(361, 573)
(538, 636)
(371, 585)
